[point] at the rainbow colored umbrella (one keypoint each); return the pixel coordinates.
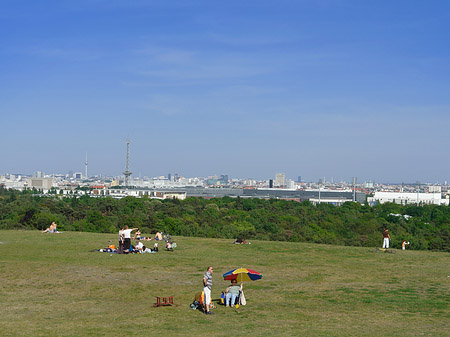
(242, 275)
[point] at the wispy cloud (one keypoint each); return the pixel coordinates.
(167, 55)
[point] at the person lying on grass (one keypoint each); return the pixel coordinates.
(240, 241)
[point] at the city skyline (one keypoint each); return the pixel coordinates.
(80, 176)
(332, 89)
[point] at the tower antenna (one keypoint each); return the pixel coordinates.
(86, 167)
(127, 172)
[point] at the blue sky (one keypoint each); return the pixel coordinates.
(332, 88)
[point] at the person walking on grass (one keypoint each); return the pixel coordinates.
(386, 238)
(207, 285)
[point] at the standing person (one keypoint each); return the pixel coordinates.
(127, 238)
(207, 285)
(120, 249)
(386, 238)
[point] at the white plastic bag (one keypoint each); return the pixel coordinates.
(242, 299)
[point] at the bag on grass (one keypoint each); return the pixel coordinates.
(242, 298)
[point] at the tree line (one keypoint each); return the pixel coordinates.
(426, 227)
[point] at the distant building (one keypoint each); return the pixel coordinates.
(41, 183)
(326, 196)
(223, 180)
(434, 189)
(290, 184)
(145, 193)
(368, 184)
(408, 198)
(250, 182)
(280, 180)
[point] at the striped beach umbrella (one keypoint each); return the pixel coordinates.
(242, 275)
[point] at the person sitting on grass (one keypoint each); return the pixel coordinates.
(55, 230)
(51, 228)
(158, 236)
(138, 236)
(232, 292)
(169, 246)
(140, 247)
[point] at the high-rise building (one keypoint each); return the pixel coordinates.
(290, 184)
(280, 179)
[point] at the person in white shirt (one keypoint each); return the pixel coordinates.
(127, 238)
(140, 247)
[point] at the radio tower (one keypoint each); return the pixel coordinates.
(86, 163)
(127, 172)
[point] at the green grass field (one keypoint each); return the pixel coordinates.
(53, 285)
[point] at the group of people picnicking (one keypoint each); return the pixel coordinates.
(126, 247)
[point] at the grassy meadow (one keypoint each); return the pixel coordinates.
(54, 285)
